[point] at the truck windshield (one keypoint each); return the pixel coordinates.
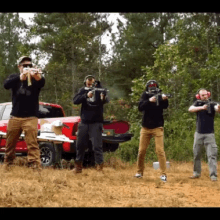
(47, 111)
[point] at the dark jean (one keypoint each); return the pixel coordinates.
(92, 132)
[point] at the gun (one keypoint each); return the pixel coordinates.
(208, 103)
(93, 89)
(158, 94)
(96, 87)
(29, 74)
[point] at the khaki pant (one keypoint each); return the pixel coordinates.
(15, 127)
(145, 136)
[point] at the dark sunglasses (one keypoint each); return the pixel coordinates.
(27, 65)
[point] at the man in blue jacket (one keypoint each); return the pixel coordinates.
(90, 127)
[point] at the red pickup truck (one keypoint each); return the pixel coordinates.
(114, 132)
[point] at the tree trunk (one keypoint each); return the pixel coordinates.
(218, 26)
(73, 70)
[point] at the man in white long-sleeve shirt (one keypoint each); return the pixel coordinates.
(204, 134)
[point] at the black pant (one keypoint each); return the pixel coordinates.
(85, 133)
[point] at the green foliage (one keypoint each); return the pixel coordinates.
(117, 109)
(128, 151)
(210, 73)
(178, 141)
(138, 40)
(181, 72)
(10, 47)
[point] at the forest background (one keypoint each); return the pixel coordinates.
(180, 50)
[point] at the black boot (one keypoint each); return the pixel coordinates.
(78, 167)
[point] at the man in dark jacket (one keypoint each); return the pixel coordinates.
(152, 125)
(90, 127)
(25, 88)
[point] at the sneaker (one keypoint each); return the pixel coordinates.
(138, 175)
(163, 178)
(78, 167)
(213, 178)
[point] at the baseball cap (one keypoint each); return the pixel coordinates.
(22, 58)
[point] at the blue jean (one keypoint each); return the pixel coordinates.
(207, 140)
(92, 132)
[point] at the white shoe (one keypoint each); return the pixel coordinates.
(213, 178)
(138, 175)
(163, 178)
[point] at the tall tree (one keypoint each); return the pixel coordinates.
(72, 41)
(12, 46)
(136, 44)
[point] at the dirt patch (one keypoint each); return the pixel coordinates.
(116, 187)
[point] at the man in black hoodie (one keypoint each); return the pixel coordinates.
(152, 125)
(90, 127)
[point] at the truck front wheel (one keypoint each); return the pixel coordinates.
(47, 154)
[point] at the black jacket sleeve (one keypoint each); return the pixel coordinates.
(11, 81)
(40, 83)
(144, 102)
(106, 100)
(165, 104)
(80, 97)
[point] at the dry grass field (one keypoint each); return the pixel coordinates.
(116, 187)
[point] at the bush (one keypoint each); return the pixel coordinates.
(178, 142)
(181, 75)
(116, 109)
(128, 151)
(178, 139)
(182, 82)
